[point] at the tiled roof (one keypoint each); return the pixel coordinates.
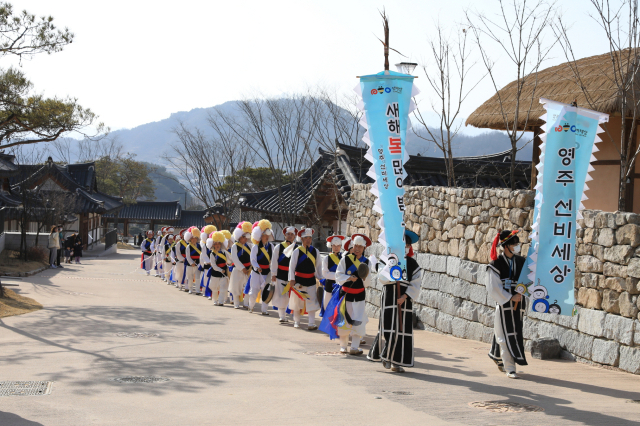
(168, 211)
(487, 171)
(293, 196)
(89, 200)
(7, 166)
(191, 218)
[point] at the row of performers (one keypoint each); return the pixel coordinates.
(246, 268)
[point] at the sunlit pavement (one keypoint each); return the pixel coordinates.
(227, 366)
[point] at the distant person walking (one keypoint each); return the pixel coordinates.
(77, 248)
(61, 246)
(140, 238)
(54, 245)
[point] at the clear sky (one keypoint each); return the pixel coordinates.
(136, 61)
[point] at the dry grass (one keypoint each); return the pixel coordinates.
(14, 304)
(9, 263)
(126, 246)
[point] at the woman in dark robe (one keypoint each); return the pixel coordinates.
(77, 248)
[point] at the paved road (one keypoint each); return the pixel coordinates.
(232, 367)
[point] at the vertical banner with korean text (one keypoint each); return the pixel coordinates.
(386, 104)
(563, 176)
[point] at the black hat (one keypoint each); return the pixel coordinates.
(509, 237)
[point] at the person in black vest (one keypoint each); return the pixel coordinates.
(393, 344)
(261, 254)
(280, 272)
(147, 248)
(218, 283)
(191, 253)
(353, 289)
(330, 265)
(304, 269)
(241, 258)
(168, 261)
(503, 273)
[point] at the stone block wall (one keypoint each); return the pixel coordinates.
(457, 227)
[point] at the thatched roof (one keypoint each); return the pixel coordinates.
(560, 84)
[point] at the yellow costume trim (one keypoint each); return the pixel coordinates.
(309, 255)
(266, 253)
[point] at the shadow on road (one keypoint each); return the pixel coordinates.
(553, 406)
(72, 329)
(10, 419)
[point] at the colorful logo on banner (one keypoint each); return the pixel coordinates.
(386, 103)
(563, 172)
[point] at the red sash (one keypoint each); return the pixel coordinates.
(352, 290)
(283, 268)
(303, 275)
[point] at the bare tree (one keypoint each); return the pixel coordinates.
(448, 82)
(621, 26)
(205, 161)
(518, 31)
(279, 134)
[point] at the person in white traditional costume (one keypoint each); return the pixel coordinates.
(503, 274)
(304, 270)
(191, 253)
(178, 267)
(280, 272)
(205, 262)
(393, 344)
(241, 258)
(353, 288)
(147, 248)
(330, 265)
(158, 255)
(261, 254)
(167, 263)
(228, 242)
(219, 273)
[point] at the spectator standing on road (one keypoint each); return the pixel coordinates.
(68, 247)
(54, 245)
(140, 238)
(61, 246)
(77, 248)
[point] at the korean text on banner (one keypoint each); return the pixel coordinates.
(563, 173)
(386, 103)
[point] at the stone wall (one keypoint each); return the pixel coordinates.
(457, 227)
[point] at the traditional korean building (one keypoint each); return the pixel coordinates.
(598, 81)
(50, 183)
(322, 193)
(145, 215)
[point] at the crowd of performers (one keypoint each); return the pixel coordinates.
(249, 270)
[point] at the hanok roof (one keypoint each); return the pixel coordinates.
(7, 166)
(295, 196)
(191, 218)
(486, 171)
(89, 199)
(167, 211)
(558, 83)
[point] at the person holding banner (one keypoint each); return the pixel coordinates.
(330, 265)
(354, 277)
(280, 272)
(396, 330)
(147, 248)
(303, 271)
(241, 258)
(503, 273)
(261, 254)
